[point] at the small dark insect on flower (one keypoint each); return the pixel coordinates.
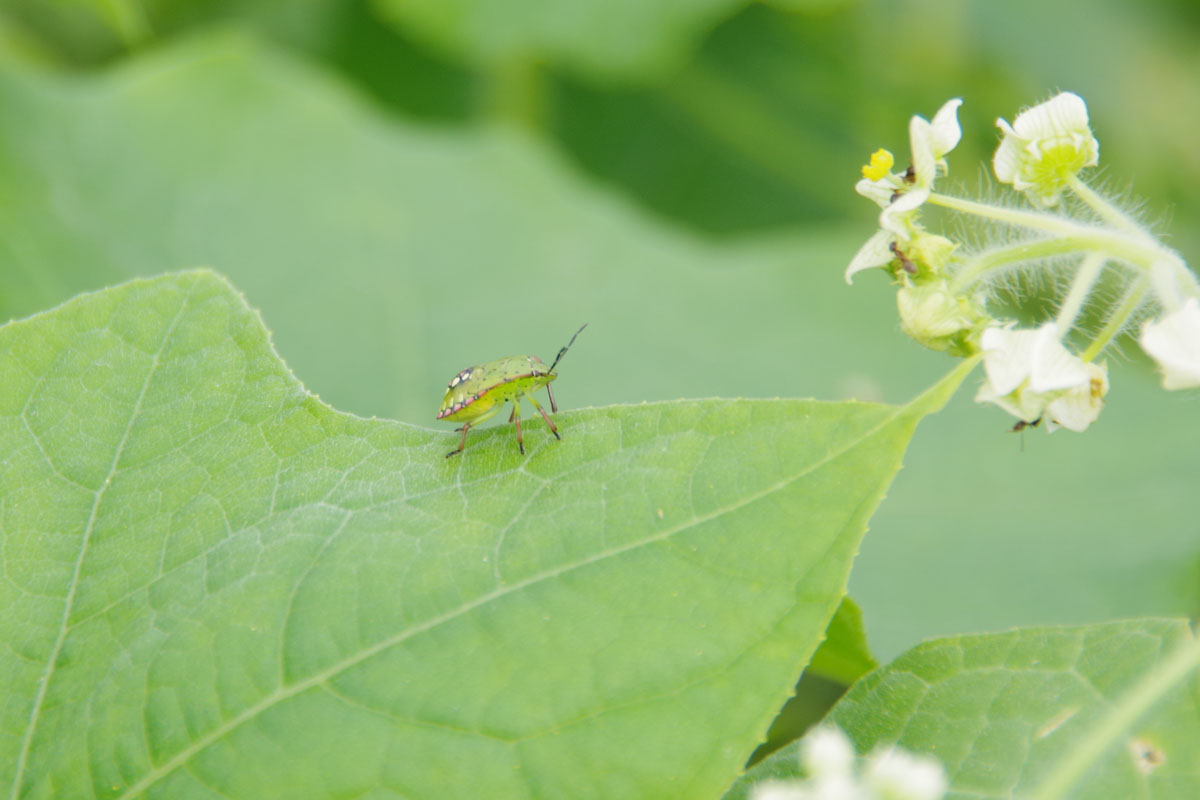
(904, 260)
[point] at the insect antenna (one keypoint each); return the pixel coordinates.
(563, 352)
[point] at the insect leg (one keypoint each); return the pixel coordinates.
(553, 407)
(467, 426)
(515, 417)
(461, 444)
(545, 416)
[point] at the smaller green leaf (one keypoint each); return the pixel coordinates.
(844, 656)
(1005, 712)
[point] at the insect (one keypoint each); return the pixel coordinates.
(1020, 427)
(477, 393)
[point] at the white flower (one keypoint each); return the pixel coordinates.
(1174, 342)
(839, 787)
(828, 758)
(898, 775)
(1031, 375)
(827, 752)
(901, 195)
(931, 141)
(1045, 146)
(779, 790)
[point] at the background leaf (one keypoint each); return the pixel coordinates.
(217, 584)
(388, 255)
(1001, 710)
(844, 656)
(621, 38)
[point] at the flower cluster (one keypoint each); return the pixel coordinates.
(944, 286)
(827, 758)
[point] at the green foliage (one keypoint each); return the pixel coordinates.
(341, 161)
(844, 656)
(1003, 711)
(231, 577)
(388, 255)
(605, 38)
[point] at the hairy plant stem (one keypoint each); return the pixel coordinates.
(1085, 279)
(991, 260)
(1116, 321)
(1106, 210)
(1137, 250)
(1120, 238)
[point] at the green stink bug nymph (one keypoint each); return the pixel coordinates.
(477, 393)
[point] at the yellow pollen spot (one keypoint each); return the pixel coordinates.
(880, 165)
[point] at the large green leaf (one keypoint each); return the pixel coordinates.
(1004, 712)
(214, 583)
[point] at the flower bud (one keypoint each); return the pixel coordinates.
(937, 319)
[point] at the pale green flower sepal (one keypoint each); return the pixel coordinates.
(938, 319)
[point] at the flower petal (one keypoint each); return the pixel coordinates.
(1007, 357)
(1065, 112)
(946, 130)
(893, 772)
(924, 162)
(1054, 366)
(876, 252)
(1007, 161)
(895, 217)
(773, 789)
(931, 141)
(827, 752)
(1078, 408)
(1174, 342)
(879, 192)
(1022, 405)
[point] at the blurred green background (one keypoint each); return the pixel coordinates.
(408, 187)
